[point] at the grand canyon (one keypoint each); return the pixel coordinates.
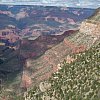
(35, 40)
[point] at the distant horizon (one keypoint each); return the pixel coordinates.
(59, 3)
(5, 4)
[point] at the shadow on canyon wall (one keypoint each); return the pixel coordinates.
(12, 61)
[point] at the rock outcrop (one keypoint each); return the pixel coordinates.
(90, 27)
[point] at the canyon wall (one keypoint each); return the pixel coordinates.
(90, 27)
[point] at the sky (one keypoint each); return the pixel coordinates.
(67, 3)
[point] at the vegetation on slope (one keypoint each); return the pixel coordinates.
(76, 81)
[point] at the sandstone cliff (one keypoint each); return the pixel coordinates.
(90, 27)
(42, 68)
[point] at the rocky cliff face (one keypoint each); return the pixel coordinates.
(42, 68)
(90, 27)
